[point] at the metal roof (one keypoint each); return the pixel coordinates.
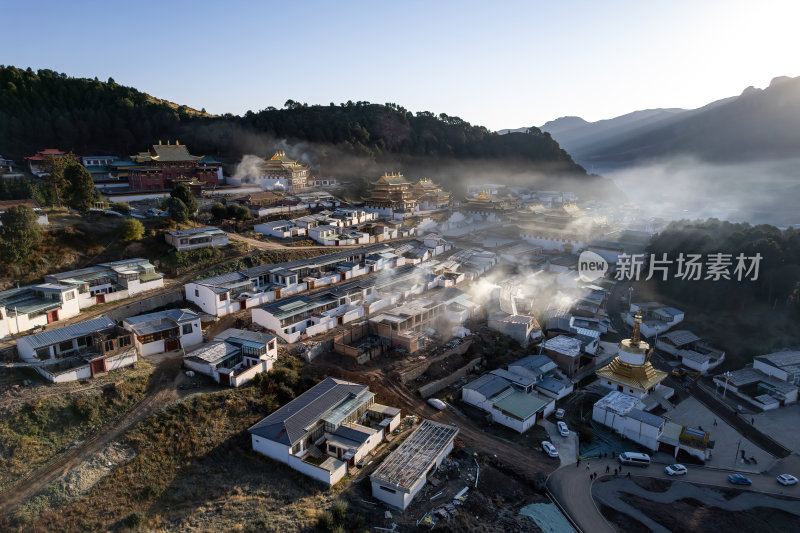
(521, 405)
(517, 379)
(213, 352)
(245, 335)
(180, 316)
(354, 432)
(54, 336)
(415, 456)
(535, 363)
(646, 418)
(488, 385)
(786, 360)
(552, 384)
(291, 422)
(680, 337)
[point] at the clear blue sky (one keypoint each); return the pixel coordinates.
(500, 64)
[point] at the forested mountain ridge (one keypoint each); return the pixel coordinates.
(47, 109)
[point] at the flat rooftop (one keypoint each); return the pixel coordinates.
(412, 459)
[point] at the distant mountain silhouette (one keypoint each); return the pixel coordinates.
(756, 125)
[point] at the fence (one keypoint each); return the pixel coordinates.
(732, 417)
(145, 305)
(432, 388)
(414, 373)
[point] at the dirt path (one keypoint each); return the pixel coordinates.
(523, 458)
(267, 245)
(162, 392)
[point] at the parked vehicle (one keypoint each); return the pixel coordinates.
(787, 479)
(549, 449)
(634, 458)
(563, 429)
(559, 414)
(675, 470)
(739, 479)
(437, 403)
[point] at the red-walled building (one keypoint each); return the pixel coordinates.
(165, 165)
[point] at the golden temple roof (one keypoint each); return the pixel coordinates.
(641, 377)
(166, 152)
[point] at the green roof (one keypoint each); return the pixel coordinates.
(521, 405)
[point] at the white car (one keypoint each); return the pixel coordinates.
(787, 479)
(675, 470)
(549, 449)
(559, 414)
(563, 429)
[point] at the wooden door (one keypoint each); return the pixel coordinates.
(98, 366)
(101, 298)
(172, 344)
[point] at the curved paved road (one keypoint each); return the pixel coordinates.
(571, 488)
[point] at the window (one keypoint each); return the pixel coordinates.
(70, 295)
(187, 329)
(124, 341)
(65, 346)
(223, 296)
(108, 346)
(387, 489)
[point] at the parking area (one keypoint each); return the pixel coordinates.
(726, 439)
(781, 424)
(567, 446)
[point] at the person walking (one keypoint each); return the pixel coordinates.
(629, 475)
(715, 422)
(607, 469)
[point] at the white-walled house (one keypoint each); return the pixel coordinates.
(690, 349)
(165, 331)
(403, 474)
(625, 415)
(784, 365)
(108, 282)
(78, 351)
(281, 229)
(315, 313)
(234, 357)
(509, 399)
(619, 411)
(190, 239)
(328, 235)
(243, 289)
(325, 431)
(25, 308)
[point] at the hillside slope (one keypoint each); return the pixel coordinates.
(759, 124)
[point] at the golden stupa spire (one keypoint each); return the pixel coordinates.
(637, 319)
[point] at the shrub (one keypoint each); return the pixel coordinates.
(325, 521)
(120, 207)
(132, 230)
(339, 510)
